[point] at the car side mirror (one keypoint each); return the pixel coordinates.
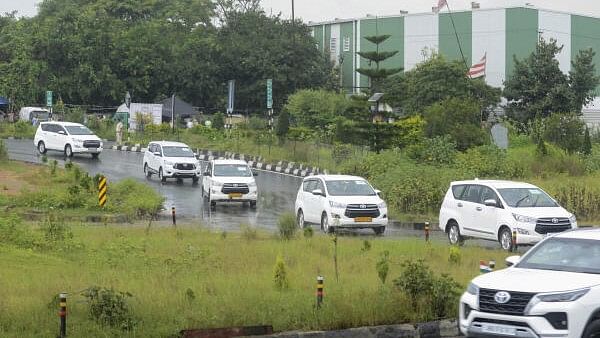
(491, 202)
(378, 192)
(318, 192)
(206, 173)
(62, 132)
(157, 153)
(254, 173)
(512, 260)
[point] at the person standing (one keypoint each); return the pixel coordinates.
(119, 130)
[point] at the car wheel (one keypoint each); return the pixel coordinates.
(379, 230)
(68, 151)
(505, 239)
(41, 147)
(592, 330)
(454, 236)
(95, 155)
(161, 176)
(325, 224)
(300, 219)
(147, 170)
(253, 204)
(195, 179)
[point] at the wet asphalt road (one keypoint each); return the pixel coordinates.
(277, 193)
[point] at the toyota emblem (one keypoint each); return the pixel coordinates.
(362, 206)
(235, 185)
(555, 220)
(502, 297)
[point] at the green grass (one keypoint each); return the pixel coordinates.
(230, 276)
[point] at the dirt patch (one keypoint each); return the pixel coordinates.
(13, 180)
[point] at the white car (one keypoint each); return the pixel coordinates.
(552, 291)
(340, 201)
(494, 209)
(70, 138)
(229, 181)
(171, 160)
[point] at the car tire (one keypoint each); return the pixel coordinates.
(505, 239)
(95, 156)
(195, 179)
(328, 229)
(162, 178)
(300, 219)
(454, 236)
(592, 330)
(42, 147)
(379, 230)
(253, 204)
(68, 151)
(147, 170)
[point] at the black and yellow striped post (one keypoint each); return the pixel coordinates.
(426, 231)
(62, 313)
(102, 187)
(173, 215)
(319, 291)
(514, 240)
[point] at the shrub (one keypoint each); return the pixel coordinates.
(287, 226)
(455, 256)
(411, 130)
(566, 131)
(308, 232)
(218, 121)
(133, 198)
(383, 266)
(280, 275)
(55, 232)
(341, 152)
(3, 151)
(445, 293)
(109, 307)
(578, 195)
(437, 150)
(415, 280)
(13, 232)
(366, 246)
(489, 161)
(53, 167)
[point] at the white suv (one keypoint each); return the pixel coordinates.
(552, 291)
(339, 201)
(68, 137)
(171, 160)
(229, 181)
(494, 209)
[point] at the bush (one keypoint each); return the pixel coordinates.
(489, 161)
(445, 293)
(133, 198)
(566, 131)
(308, 232)
(218, 121)
(109, 307)
(280, 275)
(437, 150)
(3, 151)
(578, 195)
(411, 130)
(416, 280)
(383, 266)
(455, 256)
(287, 226)
(341, 152)
(257, 123)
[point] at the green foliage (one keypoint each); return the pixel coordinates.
(257, 123)
(280, 278)
(455, 255)
(586, 147)
(218, 121)
(366, 246)
(411, 130)
(383, 266)
(416, 280)
(3, 151)
(341, 152)
(579, 195)
(489, 161)
(458, 118)
(287, 226)
(248, 232)
(19, 129)
(308, 232)
(109, 307)
(283, 124)
(445, 294)
(440, 150)
(190, 295)
(377, 74)
(541, 149)
(316, 108)
(133, 198)
(53, 167)
(583, 79)
(56, 232)
(566, 131)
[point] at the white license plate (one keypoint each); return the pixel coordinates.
(93, 150)
(497, 329)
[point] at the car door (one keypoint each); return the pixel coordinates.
(206, 179)
(151, 158)
(308, 200)
(469, 206)
(486, 217)
(61, 137)
(319, 201)
(51, 138)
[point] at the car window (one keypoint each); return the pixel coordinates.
(320, 186)
(564, 254)
(526, 198)
(232, 170)
(308, 185)
(59, 128)
(79, 130)
(458, 191)
(172, 151)
(487, 194)
(349, 188)
(45, 127)
(472, 193)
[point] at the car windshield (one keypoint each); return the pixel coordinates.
(232, 170)
(564, 254)
(40, 115)
(526, 198)
(78, 130)
(349, 188)
(177, 152)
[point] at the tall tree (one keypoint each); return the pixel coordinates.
(583, 79)
(377, 74)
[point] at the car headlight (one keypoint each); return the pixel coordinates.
(252, 184)
(556, 297)
(473, 289)
(524, 219)
(169, 163)
(521, 231)
(77, 140)
(217, 184)
(101, 144)
(382, 205)
(572, 219)
(337, 205)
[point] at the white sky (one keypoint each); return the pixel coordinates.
(322, 10)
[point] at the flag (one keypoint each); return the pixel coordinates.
(478, 69)
(440, 5)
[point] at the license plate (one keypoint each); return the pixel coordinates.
(93, 150)
(497, 329)
(235, 195)
(363, 219)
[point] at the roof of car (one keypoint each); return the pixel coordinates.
(224, 161)
(63, 123)
(585, 233)
(170, 144)
(335, 177)
(498, 184)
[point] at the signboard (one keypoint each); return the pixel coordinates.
(152, 110)
(231, 96)
(269, 94)
(49, 98)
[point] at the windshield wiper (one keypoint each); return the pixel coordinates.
(521, 200)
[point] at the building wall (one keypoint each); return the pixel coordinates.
(448, 44)
(489, 38)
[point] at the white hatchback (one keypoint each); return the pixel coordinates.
(492, 210)
(552, 291)
(340, 201)
(171, 160)
(68, 137)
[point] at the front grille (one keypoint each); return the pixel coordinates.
(91, 144)
(498, 321)
(185, 166)
(515, 306)
(361, 210)
(547, 225)
(230, 188)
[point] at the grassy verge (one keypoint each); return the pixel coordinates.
(188, 277)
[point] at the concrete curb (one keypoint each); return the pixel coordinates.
(436, 329)
(136, 148)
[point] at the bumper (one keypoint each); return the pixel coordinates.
(218, 196)
(483, 324)
(338, 220)
(82, 150)
(176, 173)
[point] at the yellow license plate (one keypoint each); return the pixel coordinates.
(235, 195)
(363, 219)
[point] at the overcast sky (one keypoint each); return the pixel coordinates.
(322, 10)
